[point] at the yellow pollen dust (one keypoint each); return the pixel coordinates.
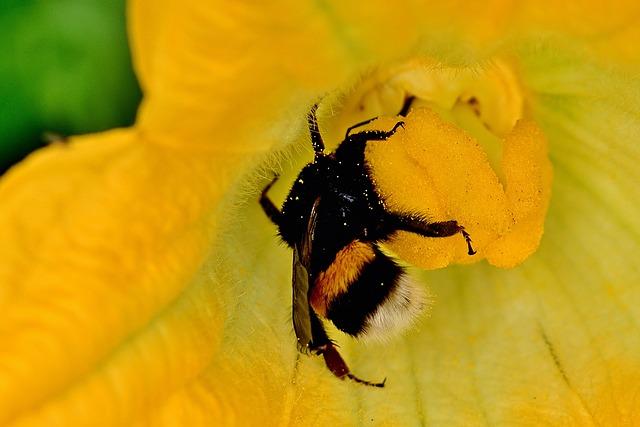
(466, 153)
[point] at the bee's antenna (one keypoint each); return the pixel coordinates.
(316, 138)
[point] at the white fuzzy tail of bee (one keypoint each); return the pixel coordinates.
(398, 312)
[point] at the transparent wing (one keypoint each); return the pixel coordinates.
(300, 283)
(301, 317)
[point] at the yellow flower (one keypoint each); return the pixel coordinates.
(141, 284)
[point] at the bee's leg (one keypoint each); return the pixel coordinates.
(357, 125)
(268, 207)
(322, 345)
(415, 224)
(407, 105)
(374, 135)
(403, 112)
(316, 138)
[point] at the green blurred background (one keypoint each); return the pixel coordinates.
(65, 68)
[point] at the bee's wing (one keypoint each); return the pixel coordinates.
(301, 316)
(300, 283)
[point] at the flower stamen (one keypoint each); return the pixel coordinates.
(467, 154)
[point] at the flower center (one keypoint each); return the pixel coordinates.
(468, 153)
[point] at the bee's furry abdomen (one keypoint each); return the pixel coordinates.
(380, 302)
(398, 312)
(342, 272)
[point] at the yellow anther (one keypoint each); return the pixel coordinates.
(436, 169)
(466, 154)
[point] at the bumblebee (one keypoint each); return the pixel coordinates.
(334, 220)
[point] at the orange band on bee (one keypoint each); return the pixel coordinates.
(343, 271)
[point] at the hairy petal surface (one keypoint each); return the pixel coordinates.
(104, 297)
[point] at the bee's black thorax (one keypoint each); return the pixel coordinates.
(349, 207)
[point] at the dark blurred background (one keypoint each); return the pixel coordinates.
(65, 68)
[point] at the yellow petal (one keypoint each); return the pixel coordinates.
(610, 29)
(217, 77)
(106, 300)
(232, 63)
